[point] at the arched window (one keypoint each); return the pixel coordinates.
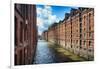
(90, 43)
(89, 17)
(89, 21)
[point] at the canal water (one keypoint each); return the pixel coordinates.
(46, 54)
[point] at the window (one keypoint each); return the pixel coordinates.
(20, 60)
(16, 40)
(77, 30)
(84, 29)
(90, 35)
(84, 43)
(25, 33)
(80, 35)
(89, 27)
(76, 41)
(84, 19)
(90, 43)
(89, 21)
(80, 19)
(90, 18)
(80, 43)
(21, 32)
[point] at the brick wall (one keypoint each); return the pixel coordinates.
(76, 32)
(25, 33)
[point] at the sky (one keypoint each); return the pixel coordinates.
(47, 15)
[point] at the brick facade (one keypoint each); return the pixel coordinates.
(52, 34)
(88, 32)
(76, 32)
(25, 33)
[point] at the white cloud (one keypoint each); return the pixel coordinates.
(45, 18)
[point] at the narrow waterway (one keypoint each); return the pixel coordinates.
(46, 54)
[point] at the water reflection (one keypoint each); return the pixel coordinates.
(46, 54)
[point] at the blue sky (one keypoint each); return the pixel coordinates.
(47, 15)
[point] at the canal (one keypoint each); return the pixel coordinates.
(47, 54)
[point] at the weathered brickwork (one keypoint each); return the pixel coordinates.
(75, 23)
(25, 33)
(62, 34)
(88, 33)
(76, 32)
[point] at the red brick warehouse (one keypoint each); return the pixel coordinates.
(25, 33)
(75, 32)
